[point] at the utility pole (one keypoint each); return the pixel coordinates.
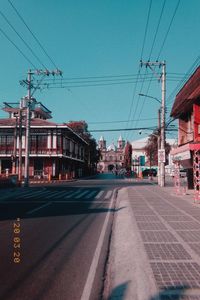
(161, 152)
(27, 141)
(158, 140)
(29, 99)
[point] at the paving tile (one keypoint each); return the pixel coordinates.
(185, 225)
(187, 274)
(151, 226)
(166, 251)
(189, 236)
(157, 236)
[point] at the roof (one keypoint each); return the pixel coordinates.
(189, 93)
(34, 122)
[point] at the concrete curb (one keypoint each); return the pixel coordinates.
(129, 276)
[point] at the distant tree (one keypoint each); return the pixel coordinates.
(127, 156)
(92, 153)
(151, 149)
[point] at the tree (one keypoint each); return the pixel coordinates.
(128, 156)
(92, 153)
(151, 149)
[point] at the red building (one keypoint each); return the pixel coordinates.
(186, 109)
(56, 151)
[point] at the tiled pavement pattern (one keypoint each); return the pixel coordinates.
(169, 227)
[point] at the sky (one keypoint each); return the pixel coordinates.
(98, 45)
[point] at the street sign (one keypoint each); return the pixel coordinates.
(161, 155)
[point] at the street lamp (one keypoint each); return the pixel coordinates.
(159, 136)
(143, 95)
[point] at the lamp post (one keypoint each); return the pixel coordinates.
(159, 130)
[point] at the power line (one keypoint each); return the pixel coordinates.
(166, 35)
(33, 35)
(123, 129)
(3, 32)
(48, 86)
(21, 38)
(146, 27)
(121, 121)
(158, 25)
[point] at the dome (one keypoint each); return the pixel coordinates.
(120, 139)
(112, 147)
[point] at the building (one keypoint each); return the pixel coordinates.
(186, 109)
(139, 157)
(112, 157)
(56, 151)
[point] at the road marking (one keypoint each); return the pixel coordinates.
(81, 194)
(92, 193)
(93, 267)
(38, 208)
(57, 194)
(99, 194)
(71, 194)
(33, 194)
(108, 194)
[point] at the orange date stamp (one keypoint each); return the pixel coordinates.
(16, 241)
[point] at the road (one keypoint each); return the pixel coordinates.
(54, 239)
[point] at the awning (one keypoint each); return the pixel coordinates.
(184, 155)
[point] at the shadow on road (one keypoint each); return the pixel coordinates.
(119, 292)
(172, 293)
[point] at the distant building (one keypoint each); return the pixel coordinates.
(112, 157)
(139, 158)
(55, 149)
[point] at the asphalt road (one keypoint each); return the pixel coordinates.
(54, 239)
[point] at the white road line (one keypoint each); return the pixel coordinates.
(99, 194)
(33, 194)
(92, 193)
(108, 194)
(57, 194)
(72, 194)
(81, 194)
(93, 267)
(38, 208)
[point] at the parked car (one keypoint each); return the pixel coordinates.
(149, 172)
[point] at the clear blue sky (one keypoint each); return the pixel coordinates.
(99, 38)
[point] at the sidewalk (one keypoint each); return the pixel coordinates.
(155, 246)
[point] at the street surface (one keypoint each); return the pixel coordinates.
(54, 239)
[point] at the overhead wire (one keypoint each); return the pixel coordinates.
(139, 69)
(167, 33)
(21, 38)
(33, 35)
(7, 37)
(164, 40)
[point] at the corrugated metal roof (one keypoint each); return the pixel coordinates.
(189, 93)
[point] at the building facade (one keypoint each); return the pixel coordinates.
(56, 151)
(112, 157)
(186, 109)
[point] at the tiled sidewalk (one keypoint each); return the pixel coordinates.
(169, 229)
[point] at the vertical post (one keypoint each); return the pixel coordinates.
(158, 139)
(27, 147)
(162, 135)
(14, 148)
(20, 147)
